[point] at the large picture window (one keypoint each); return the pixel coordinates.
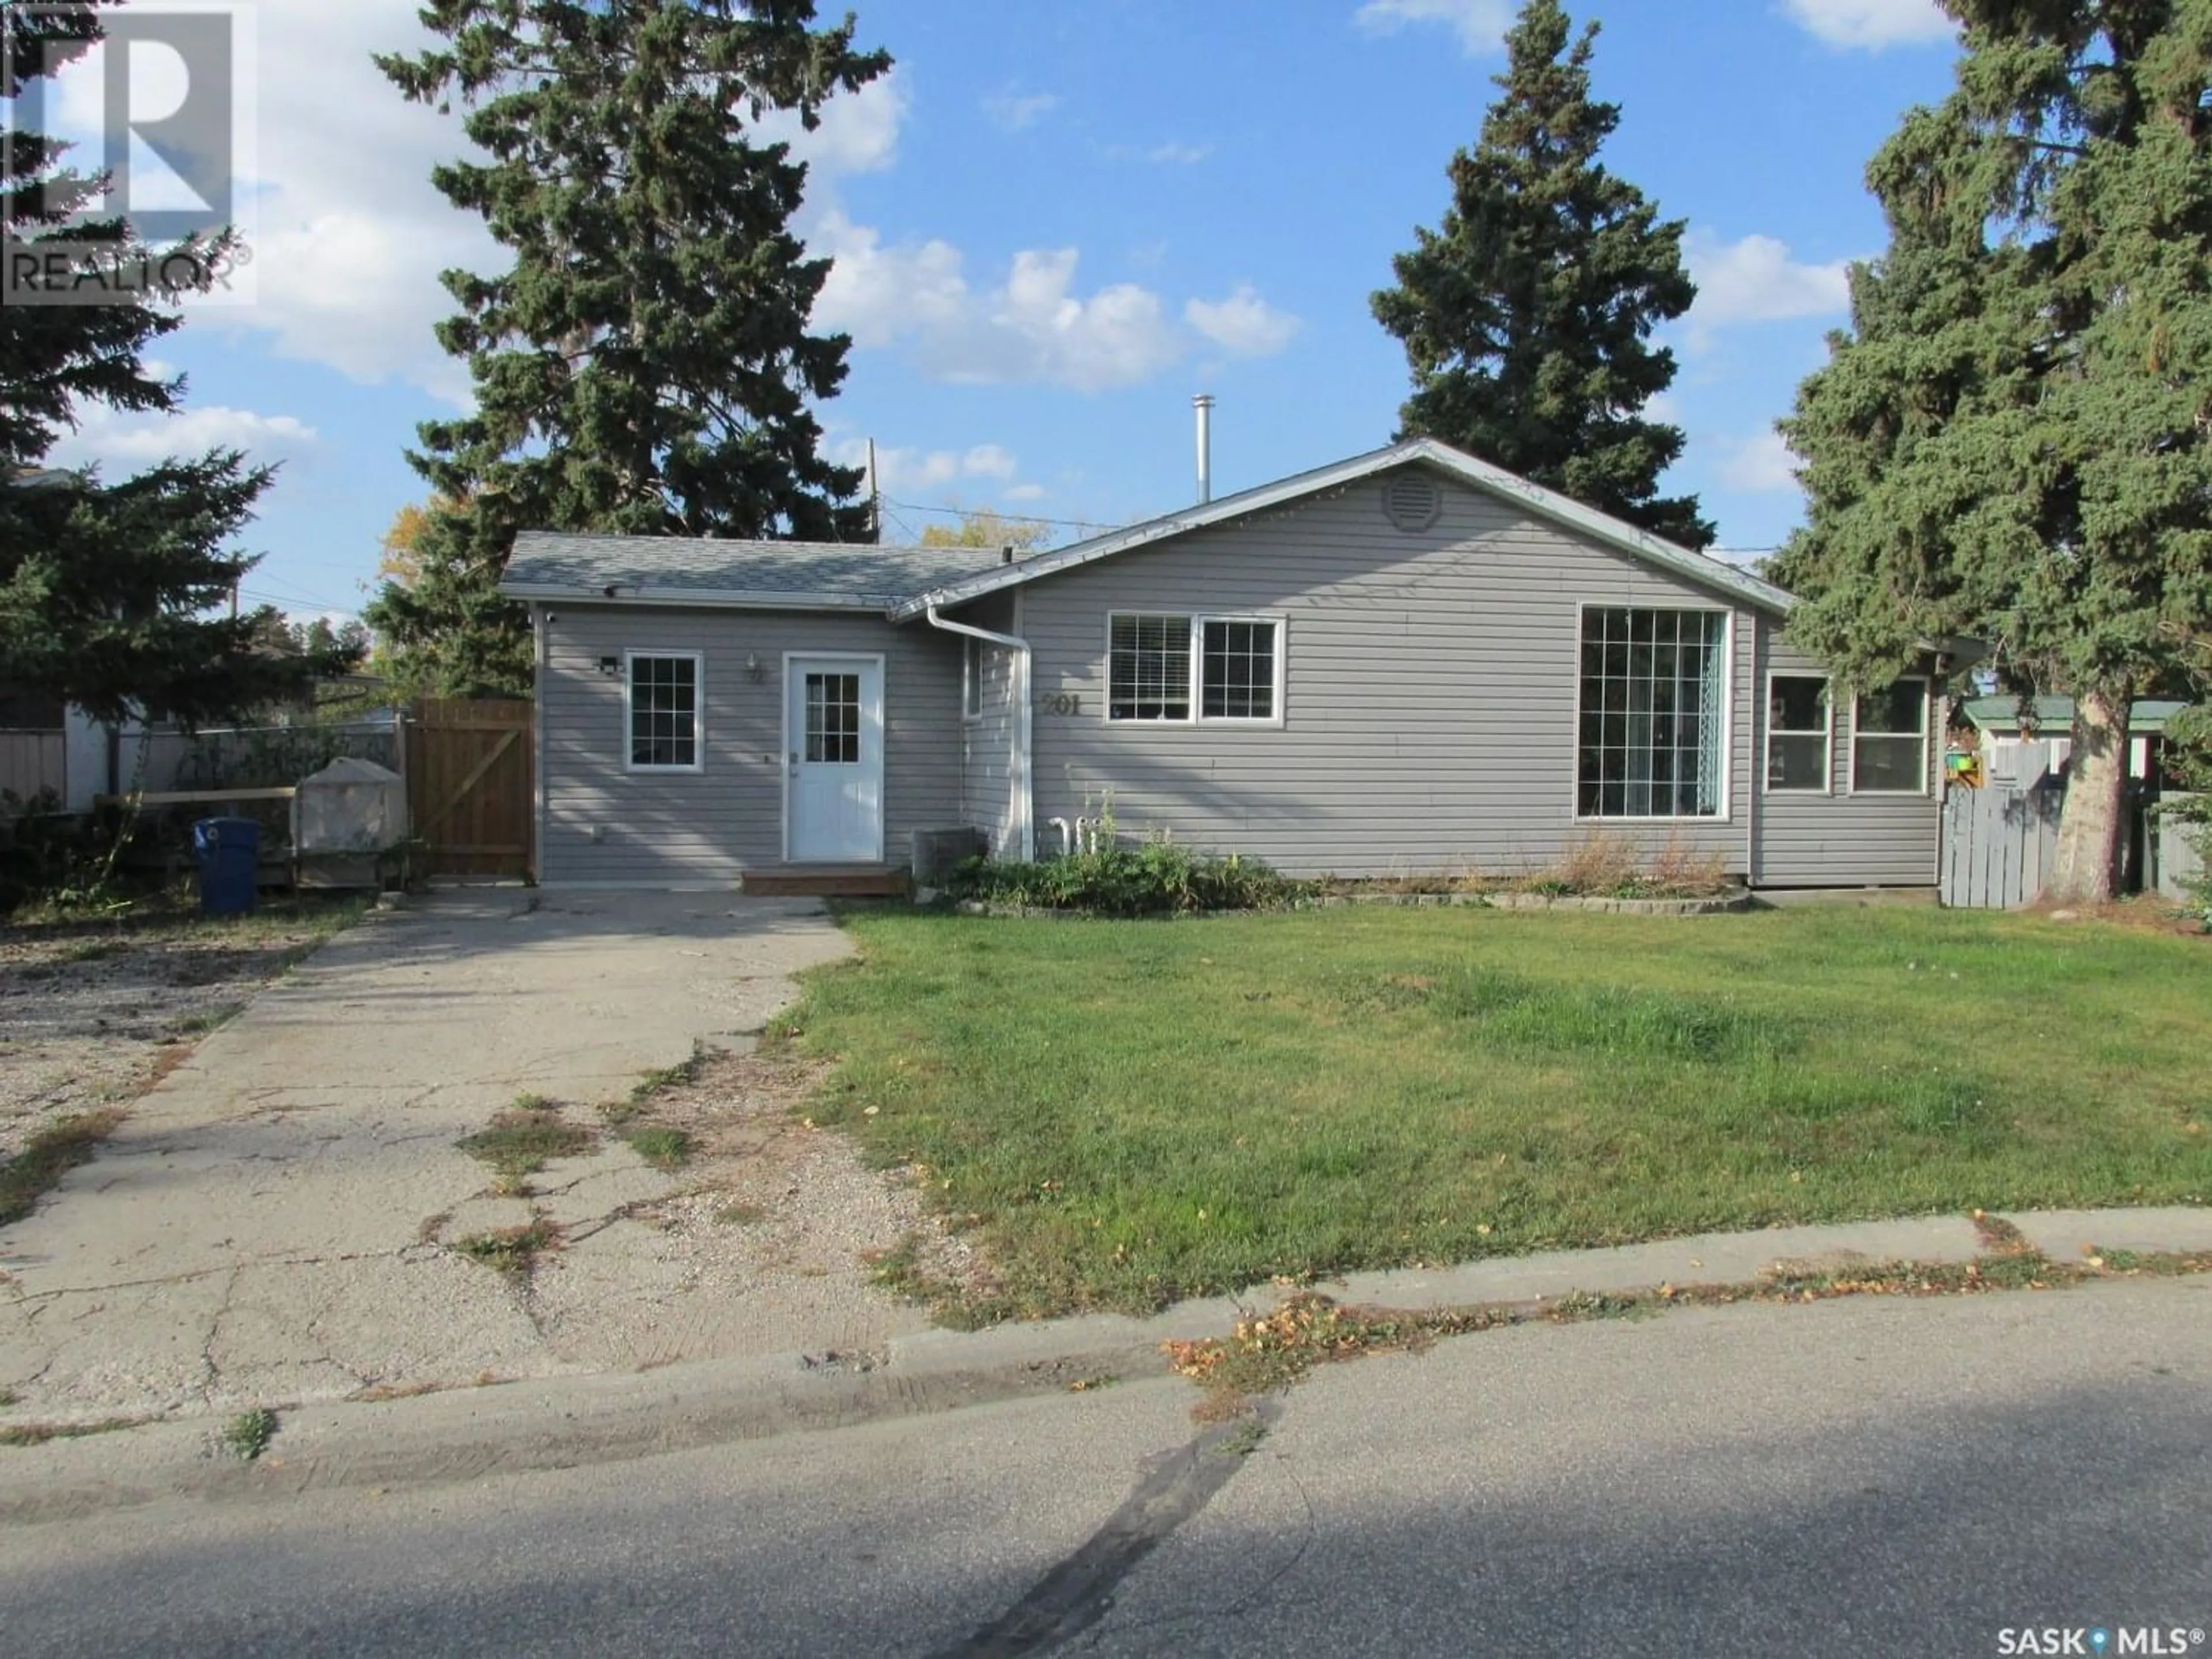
(1654, 713)
(1797, 728)
(1151, 662)
(1889, 741)
(664, 713)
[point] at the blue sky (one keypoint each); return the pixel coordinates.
(1057, 221)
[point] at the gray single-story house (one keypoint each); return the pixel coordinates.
(1409, 662)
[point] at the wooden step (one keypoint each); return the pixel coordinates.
(826, 881)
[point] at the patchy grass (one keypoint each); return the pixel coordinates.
(521, 1142)
(1270, 1352)
(247, 1435)
(741, 1215)
(512, 1251)
(1123, 1114)
(535, 1103)
(661, 1078)
(52, 1153)
(662, 1147)
(37, 1434)
(199, 1023)
(8, 1397)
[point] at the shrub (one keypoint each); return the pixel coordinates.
(1155, 878)
(1599, 865)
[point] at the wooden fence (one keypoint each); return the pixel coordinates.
(1998, 842)
(471, 788)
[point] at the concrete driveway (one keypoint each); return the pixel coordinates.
(274, 1222)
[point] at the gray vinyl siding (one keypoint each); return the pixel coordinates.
(710, 826)
(1841, 839)
(1430, 691)
(986, 794)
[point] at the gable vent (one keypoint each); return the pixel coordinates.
(1412, 502)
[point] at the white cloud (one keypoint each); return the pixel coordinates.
(122, 443)
(1027, 492)
(1173, 153)
(858, 131)
(1032, 327)
(876, 294)
(906, 471)
(1756, 281)
(1871, 24)
(1243, 324)
(1012, 110)
(1759, 465)
(1479, 24)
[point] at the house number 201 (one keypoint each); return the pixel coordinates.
(1059, 703)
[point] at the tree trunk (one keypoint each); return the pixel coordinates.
(2085, 869)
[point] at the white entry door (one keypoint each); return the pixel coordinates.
(834, 764)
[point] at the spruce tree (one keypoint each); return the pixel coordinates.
(2013, 440)
(1526, 315)
(106, 589)
(645, 366)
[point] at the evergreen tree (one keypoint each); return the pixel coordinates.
(104, 589)
(2013, 439)
(1526, 315)
(645, 366)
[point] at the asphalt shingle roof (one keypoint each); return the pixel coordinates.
(2054, 716)
(839, 573)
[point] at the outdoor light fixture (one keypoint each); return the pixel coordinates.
(754, 671)
(610, 664)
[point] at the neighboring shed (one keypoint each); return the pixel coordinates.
(2023, 739)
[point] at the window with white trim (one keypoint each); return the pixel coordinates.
(1889, 740)
(664, 713)
(971, 678)
(1798, 727)
(1236, 662)
(1654, 713)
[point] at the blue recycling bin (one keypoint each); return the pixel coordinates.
(229, 851)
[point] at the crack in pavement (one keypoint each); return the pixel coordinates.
(212, 1372)
(1080, 1592)
(29, 1298)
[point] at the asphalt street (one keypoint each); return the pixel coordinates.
(1862, 1477)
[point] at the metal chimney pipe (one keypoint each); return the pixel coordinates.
(1204, 405)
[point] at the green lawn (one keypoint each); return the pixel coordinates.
(1130, 1112)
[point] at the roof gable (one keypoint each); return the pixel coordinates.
(1456, 464)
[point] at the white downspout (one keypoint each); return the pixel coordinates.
(1024, 803)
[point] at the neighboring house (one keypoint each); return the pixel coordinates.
(1407, 662)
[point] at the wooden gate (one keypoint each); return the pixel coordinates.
(471, 788)
(1998, 842)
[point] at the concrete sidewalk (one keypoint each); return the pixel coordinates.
(558, 1422)
(272, 1222)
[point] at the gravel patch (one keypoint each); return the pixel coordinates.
(91, 1014)
(765, 1243)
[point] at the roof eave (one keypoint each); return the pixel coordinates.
(702, 598)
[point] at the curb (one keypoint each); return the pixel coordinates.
(558, 1422)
